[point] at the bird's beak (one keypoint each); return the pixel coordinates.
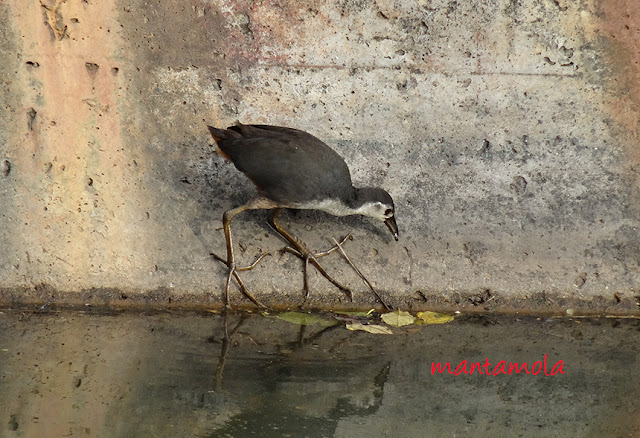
(393, 227)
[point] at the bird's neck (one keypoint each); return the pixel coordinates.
(346, 206)
(334, 207)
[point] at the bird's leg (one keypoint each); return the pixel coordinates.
(231, 262)
(301, 250)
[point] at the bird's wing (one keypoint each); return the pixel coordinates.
(280, 132)
(289, 169)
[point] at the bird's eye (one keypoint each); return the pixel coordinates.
(388, 212)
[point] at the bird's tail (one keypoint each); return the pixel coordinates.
(217, 134)
(221, 135)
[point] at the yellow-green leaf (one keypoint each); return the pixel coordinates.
(398, 318)
(370, 328)
(305, 319)
(433, 318)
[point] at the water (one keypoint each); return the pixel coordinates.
(71, 373)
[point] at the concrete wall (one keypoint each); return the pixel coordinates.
(506, 131)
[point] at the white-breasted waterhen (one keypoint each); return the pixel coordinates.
(294, 169)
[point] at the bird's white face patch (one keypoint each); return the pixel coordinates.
(377, 210)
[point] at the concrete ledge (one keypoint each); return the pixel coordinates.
(538, 304)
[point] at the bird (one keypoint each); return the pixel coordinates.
(292, 169)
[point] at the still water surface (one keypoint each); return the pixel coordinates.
(84, 374)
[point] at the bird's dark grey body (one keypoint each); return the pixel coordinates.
(291, 167)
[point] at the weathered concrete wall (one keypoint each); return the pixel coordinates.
(506, 131)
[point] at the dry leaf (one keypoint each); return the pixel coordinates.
(371, 328)
(433, 318)
(305, 319)
(398, 318)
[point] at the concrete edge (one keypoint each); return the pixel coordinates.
(470, 302)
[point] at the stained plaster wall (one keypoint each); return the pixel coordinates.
(506, 131)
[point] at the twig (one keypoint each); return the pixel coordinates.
(355, 268)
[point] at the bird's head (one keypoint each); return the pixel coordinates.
(378, 204)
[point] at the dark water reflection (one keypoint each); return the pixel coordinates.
(201, 375)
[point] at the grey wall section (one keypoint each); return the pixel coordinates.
(506, 131)
(8, 96)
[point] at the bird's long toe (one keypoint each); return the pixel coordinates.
(233, 271)
(309, 257)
